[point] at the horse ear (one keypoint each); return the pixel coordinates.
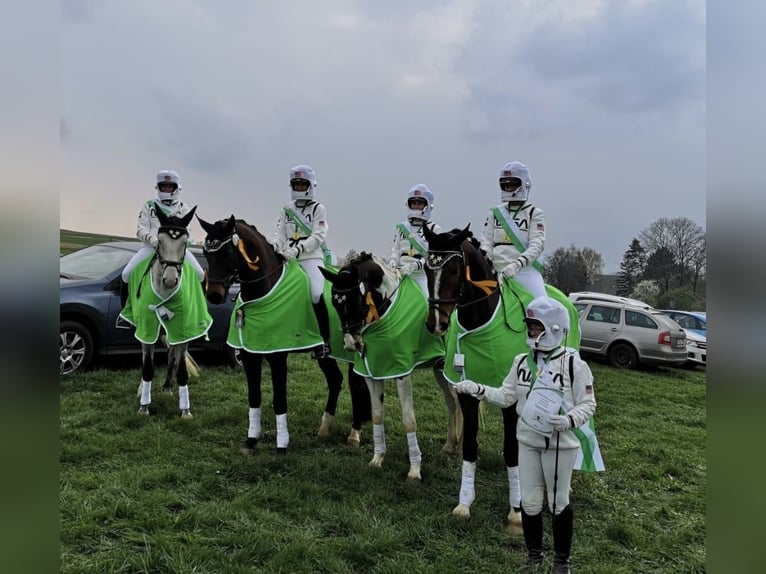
(163, 219)
(186, 219)
(232, 223)
(207, 227)
(329, 275)
(464, 234)
(428, 232)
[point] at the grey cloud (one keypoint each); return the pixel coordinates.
(79, 9)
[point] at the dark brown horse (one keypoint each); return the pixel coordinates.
(237, 252)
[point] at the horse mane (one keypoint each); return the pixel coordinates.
(249, 231)
(388, 279)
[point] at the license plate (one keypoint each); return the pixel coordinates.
(680, 344)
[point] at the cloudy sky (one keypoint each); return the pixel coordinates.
(604, 100)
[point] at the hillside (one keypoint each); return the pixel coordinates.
(71, 240)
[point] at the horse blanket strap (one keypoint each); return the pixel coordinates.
(281, 320)
(399, 341)
(500, 216)
(183, 314)
(413, 239)
(306, 229)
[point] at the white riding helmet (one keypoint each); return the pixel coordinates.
(303, 173)
(517, 173)
(420, 191)
(555, 320)
(168, 176)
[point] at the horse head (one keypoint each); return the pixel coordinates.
(458, 275)
(172, 237)
(360, 294)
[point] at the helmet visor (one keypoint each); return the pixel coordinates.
(167, 186)
(511, 184)
(300, 184)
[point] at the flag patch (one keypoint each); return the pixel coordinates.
(540, 227)
(589, 389)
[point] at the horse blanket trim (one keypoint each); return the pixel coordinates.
(183, 314)
(281, 320)
(399, 341)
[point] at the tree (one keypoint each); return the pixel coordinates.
(661, 266)
(594, 264)
(647, 291)
(631, 268)
(566, 269)
(683, 238)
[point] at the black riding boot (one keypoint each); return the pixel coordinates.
(563, 528)
(323, 318)
(533, 537)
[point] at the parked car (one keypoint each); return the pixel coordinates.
(629, 335)
(594, 296)
(695, 325)
(90, 306)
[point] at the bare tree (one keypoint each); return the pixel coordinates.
(567, 268)
(682, 238)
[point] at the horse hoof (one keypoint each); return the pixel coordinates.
(377, 461)
(248, 447)
(450, 449)
(186, 414)
(247, 451)
(143, 410)
(167, 390)
(281, 450)
(354, 438)
(462, 511)
(325, 428)
(414, 477)
(513, 523)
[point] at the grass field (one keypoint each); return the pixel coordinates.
(161, 494)
(71, 240)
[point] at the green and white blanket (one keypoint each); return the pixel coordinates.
(183, 314)
(281, 320)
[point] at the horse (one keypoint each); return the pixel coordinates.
(165, 295)
(270, 322)
(382, 317)
(484, 324)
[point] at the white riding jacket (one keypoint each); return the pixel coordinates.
(289, 234)
(579, 397)
(402, 252)
(149, 224)
(530, 221)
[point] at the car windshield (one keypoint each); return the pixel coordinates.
(93, 262)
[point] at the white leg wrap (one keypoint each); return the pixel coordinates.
(183, 398)
(412, 443)
(283, 437)
(379, 439)
(146, 392)
(514, 488)
(254, 430)
(467, 492)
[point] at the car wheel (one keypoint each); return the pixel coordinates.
(75, 347)
(623, 356)
(233, 358)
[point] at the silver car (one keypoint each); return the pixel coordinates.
(629, 335)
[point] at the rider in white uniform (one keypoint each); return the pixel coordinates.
(301, 234)
(514, 232)
(546, 455)
(168, 199)
(408, 253)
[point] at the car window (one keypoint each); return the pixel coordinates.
(604, 314)
(580, 307)
(636, 319)
(93, 262)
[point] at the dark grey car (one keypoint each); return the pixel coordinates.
(90, 306)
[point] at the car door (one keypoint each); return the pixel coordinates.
(599, 325)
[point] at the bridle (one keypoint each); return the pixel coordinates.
(236, 246)
(175, 233)
(436, 260)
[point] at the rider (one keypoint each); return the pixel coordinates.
(547, 451)
(410, 246)
(514, 232)
(301, 234)
(168, 186)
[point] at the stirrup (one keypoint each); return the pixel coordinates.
(321, 351)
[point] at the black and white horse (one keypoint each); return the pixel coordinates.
(237, 251)
(382, 317)
(165, 298)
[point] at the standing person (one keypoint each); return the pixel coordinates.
(554, 390)
(408, 253)
(168, 186)
(301, 234)
(514, 232)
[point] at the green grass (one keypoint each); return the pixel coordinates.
(161, 494)
(71, 240)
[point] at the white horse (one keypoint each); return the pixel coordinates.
(166, 299)
(383, 320)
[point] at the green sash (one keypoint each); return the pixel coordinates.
(298, 220)
(281, 320)
(399, 341)
(414, 243)
(183, 314)
(513, 237)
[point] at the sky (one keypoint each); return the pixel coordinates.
(604, 100)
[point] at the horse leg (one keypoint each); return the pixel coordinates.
(404, 389)
(361, 405)
(147, 376)
(278, 364)
(511, 457)
(182, 375)
(334, 378)
(470, 408)
(378, 430)
(167, 388)
(454, 414)
(252, 363)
